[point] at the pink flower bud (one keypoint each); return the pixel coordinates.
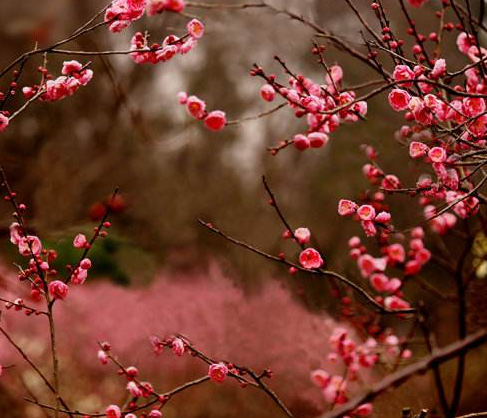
(79, 241)
(318, 139)
(113, 411)
(303, 235)
(102, 357)
(301, 142)
(320, 378)
(85, 264)
(216, 120)
(267, 92)
(178, 346)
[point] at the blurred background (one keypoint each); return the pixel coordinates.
(127, 130)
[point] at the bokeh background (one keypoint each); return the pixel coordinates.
(159, 271)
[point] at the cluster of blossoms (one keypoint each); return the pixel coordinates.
(43, 278)
(375, 219)
(355, 358)
(135, 388)
(171, 45)
(214, 120)
(216, 371)
(309, 258)
(325, 106)
(122, 13)
(74, 76)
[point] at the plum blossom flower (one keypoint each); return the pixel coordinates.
(346, 207)
(79, 241)
(318, 139)
(320, 378)
(417, 3)
(215, 120)
(195, 28)
(437, 154)
(267, 92)
(102, 357)
(402, 73)
(122, 13)
(3, 122)
(196, 107)
(29, 245)
(113, 411)
(303, 235)
(310, 259)
(178, 346)
(439, 69)
(58, 289)
(417, 149)
(158, 6)
(218, 372)
(399, 99)
(366, 212)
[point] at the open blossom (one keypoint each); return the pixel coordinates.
(403, 74)
(3, 122)
(418, 149)
(15, 233)
(122, 13)
(302, 235)
(464, 42)
(196, 107)
(215, 120)
(437, 154)
(195, 28)
(218, 372)
(29, 245)
(366, 212)
(310, 259)
(79, 276)
(155, 413)
(58, 289)
(399, 99)
(113, 411)
(346, 207)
